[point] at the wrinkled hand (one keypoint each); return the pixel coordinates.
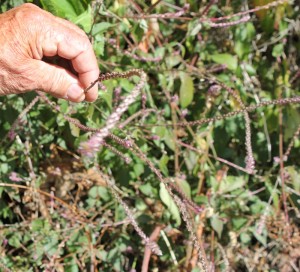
(28, 35)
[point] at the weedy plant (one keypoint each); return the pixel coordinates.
(165, 148)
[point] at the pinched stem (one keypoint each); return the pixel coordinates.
(90, 147)
(112, 75)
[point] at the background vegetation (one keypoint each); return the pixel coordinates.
(58, 212)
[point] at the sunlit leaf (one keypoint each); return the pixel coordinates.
(186, 93)
(229, 60)
(169, 202)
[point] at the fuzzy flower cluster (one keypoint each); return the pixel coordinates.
(92, 146)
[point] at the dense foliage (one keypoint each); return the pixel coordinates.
(57, 211)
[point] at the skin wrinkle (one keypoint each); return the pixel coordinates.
(28, 35)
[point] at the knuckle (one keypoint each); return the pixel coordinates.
(29, 5)
(86, 44)
(28, 13)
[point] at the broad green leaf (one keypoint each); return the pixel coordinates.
(277, 50)
(37, 225)
(190, 159)
(15, 240)
(169, 139)
(61, 8)
(231, 183)
(186, 93)
(99, 192)
(217, 224)
(230, 60)
(98, 45)
(71, 265)
(262, 238)
(274, 193)
(194, 27)
(294, 176)
(75, 131)
(140, 204)
(146, 189)
(245, 238)
(163, 164)
(85, 20)
(173, 61)
(138, 169)
(101, 27)
(239, 222)
(80, 5)
(184, 186)
(169, 202)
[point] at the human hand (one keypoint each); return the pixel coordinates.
(27, 35)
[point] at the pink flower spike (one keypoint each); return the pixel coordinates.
(13, 176)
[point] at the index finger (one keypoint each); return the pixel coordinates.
(85, 64)
(68, 41)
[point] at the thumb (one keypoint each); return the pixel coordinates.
(56, 81)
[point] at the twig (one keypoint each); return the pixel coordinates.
(173, 256)
(228, 24)
(291, 144)
(147, 253)
(250, 162)
(168, 15)
(225, 259)
(281, 163)
(243, 13)
(283, 101)
(148, 242)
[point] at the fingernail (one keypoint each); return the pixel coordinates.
(75, 93)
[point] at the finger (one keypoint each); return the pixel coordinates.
(86, 66)
(70, 25)
(56, 81)
(76, 48)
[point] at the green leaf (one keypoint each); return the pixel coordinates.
(169, 139)
(101, 27)
(245, 238)
(194, 27)
(71, 265)
(262, 238)
(163, 164)
(173, 61)
(75, 131)
(186, 93)
(99, 44)
(217, 224)
(277, 50)
(184, 186)
(229, 60)
(85, 20)
(99, 192)
(294, 176)
(15, 240)
(61, 8)
(231, 183)
(37, 225)
(80, 5)
(238, 222)
(146, 189)
(169, 202)
(138, 169)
